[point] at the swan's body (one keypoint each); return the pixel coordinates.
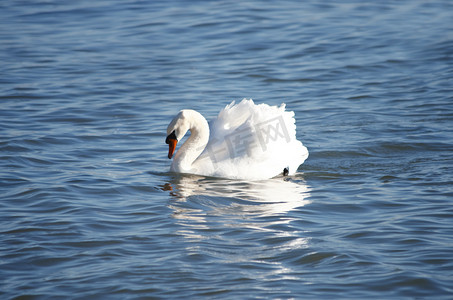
(246, 141)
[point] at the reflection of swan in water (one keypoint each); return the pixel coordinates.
(266, 197)
(239, 221)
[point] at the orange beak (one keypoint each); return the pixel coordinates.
(171, 140)
(171, 147)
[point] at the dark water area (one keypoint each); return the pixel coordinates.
(88, 208)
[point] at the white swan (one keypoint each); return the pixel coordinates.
(246, 141)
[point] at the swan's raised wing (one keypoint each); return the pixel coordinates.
(252, 141)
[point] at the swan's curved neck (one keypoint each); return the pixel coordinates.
(194, 145)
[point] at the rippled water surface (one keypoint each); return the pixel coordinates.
(88, 208)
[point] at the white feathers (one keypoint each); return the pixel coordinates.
(246, 141)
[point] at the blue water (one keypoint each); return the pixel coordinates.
(88, 208)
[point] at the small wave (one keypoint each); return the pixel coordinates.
(399, 148)
(338, 154)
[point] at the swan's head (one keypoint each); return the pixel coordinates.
(176, 131)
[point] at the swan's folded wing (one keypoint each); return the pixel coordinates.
(252, 141)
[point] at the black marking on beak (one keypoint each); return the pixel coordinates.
(171, 136)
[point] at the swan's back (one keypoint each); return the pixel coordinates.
(249, 141)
